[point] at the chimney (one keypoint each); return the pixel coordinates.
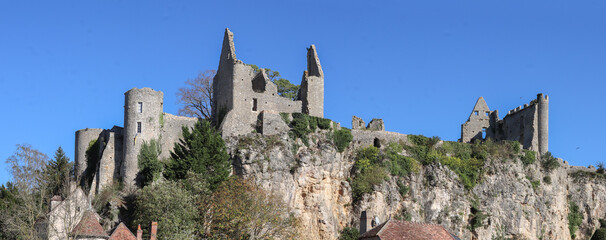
(139, 233)
(154, 230)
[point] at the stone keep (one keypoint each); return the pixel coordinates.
(528, 125)
(144, 120)
(241, 94)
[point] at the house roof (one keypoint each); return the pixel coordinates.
(89, 226)
(122, 233)
(394, 229)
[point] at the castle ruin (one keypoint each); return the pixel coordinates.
(241, 94)
(527, 125)
(118, 148)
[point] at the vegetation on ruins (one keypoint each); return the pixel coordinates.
(197, 96)
(92, 160)
(285, 88)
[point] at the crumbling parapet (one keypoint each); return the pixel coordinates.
(357, 123)
(376, 124)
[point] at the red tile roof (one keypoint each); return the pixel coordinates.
(122, 233)
(89, 226)
(394, 229)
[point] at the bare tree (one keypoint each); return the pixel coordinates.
(197, 96)
(27, 169)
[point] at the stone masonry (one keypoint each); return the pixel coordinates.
(241, 94)
(144, 121)
(527, 125)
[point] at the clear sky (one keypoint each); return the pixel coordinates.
(419, 65)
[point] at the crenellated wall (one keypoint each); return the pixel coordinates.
(527, 125)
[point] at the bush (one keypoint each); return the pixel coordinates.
(342, 138)
(402, 188)
(575, 218)
(529, 157)
(547, 179)
(599, 234)
(364, 182)
(535, 184)
(173, 207)
(349, 233)
(399, 165)
(150, 168)
(549, 162)
(202, 151)
(515, 147)
(285, 117)
(600, 169)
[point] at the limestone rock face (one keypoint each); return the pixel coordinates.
(313, 179)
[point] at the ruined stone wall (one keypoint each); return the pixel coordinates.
(478, 125)
(111, 157)
(83, 139)
(172, 132)
(241, 93)
(142, 107)
(521, 125)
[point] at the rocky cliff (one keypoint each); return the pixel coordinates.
(505, 197)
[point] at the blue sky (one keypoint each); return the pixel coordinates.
(419, 65)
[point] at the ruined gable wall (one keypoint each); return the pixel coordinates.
(111, 158)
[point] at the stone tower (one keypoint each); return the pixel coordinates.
(543, 119)
(312, 85)
(83, 138)
(241, 93)
(143, 110)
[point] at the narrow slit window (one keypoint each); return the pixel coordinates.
(140, 107)
(254, 104)
(475, 113)
(138, 127)
(483, 133)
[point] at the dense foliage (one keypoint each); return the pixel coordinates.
(349, 233)
(150, 167)
(58, 174)
(172, 206)
(341, 138)
(202, 151)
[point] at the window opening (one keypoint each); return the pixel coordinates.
(483, 133)
(487, 114)
(475, 113)
(138, 127)
(254, 104)
(140, 107)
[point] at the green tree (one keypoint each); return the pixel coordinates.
(172, 206)
(58, 174)
(202, 151)
(285, 88)
(240, 209)
(150, 168)
(8, 200)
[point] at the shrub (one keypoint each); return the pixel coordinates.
(468, 170)
(529, 157)
(366, 158)
(402, 188)
(575, 218)
(342, 138)
(547, 179)
(515, 146)
(349, 233)
(285, 117)
(600, 169)
(150, 168)
(599, 234)
(549, 162)
(365, 181)
(535, 184)
(399, 165)
(477, 216)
